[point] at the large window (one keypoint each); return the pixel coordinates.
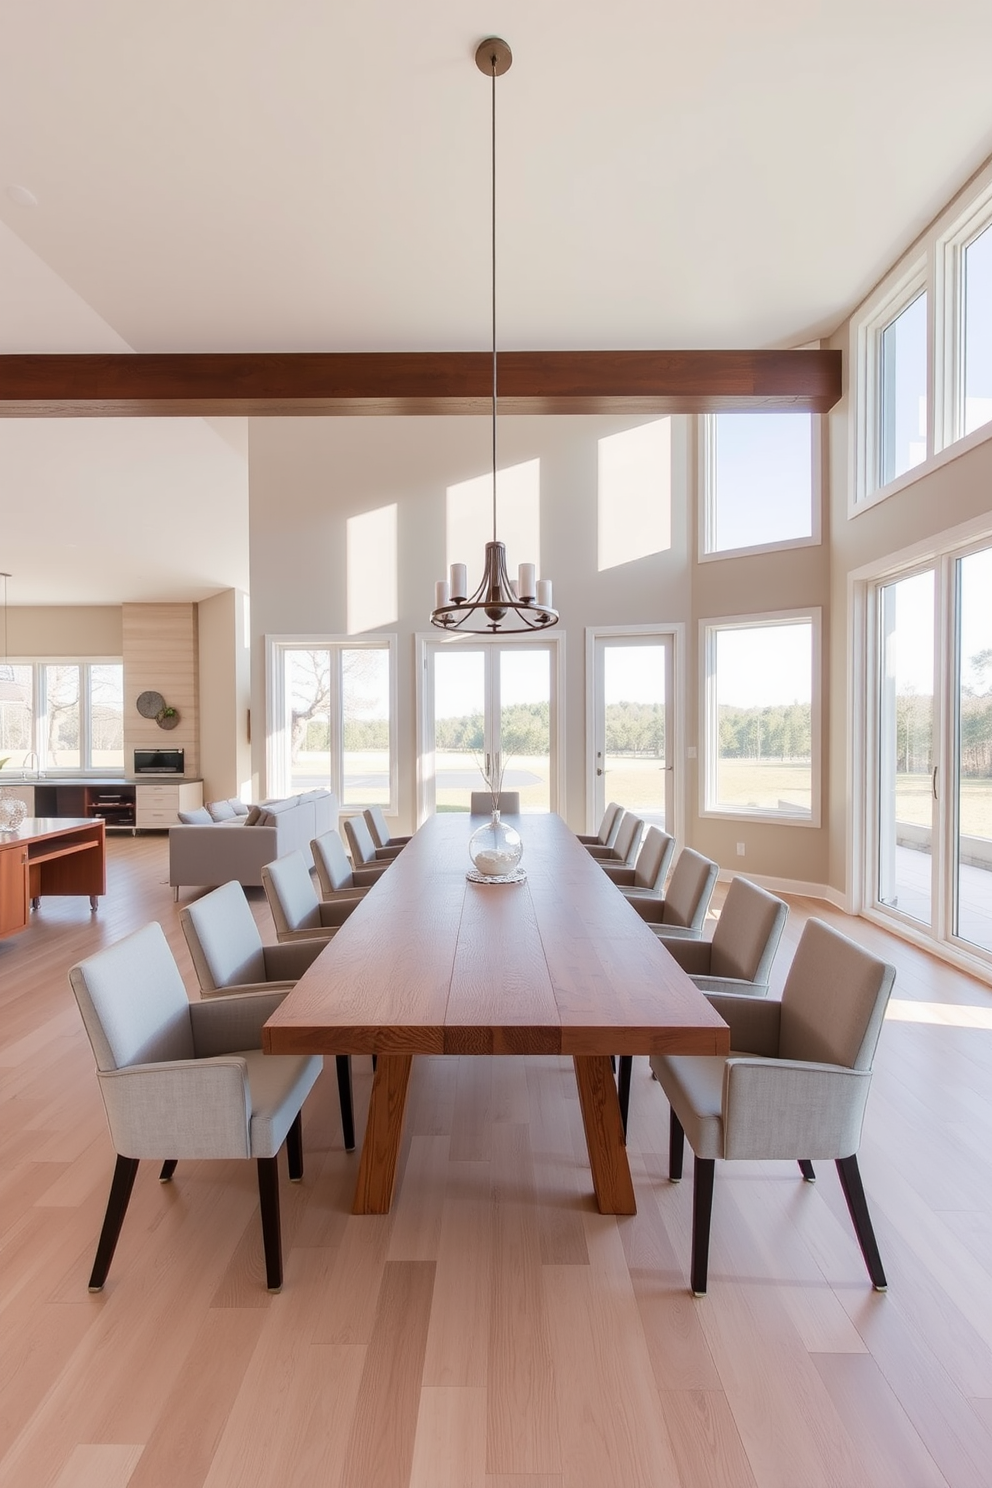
(923, 354)
(761, 717)
(758, 484)
(332, 718)
(68, 715)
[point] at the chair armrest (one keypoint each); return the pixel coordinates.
(224, 1024)
(598, 850)
(732, 986)
(243, 989)
(392, 850)
(787, 1108)
(676, 932)
(334, 912)
(367, 876)
(693, 956)
(288, 961)
(753, 1021)
(321, 933)
(180, 1108)
(650, 909)
(619, 873)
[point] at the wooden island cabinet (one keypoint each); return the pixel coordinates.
(49, 855)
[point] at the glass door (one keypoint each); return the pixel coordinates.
(972, 789)
(905, 741)
(482, 701)
(632, 688)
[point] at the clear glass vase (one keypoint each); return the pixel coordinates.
(12, 811)
(495, 848)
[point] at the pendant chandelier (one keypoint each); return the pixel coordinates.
(499, 604)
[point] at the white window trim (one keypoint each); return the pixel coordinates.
(708, 713)
(948, 257)
(866, 335)
(426, 644)
(276, 751)
(675, 630)
(706, 466)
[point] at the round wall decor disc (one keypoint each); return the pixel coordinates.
(150, 704)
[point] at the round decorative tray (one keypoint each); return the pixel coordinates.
(150, 704)
(474, 876)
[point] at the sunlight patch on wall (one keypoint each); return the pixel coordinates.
(635, 493)
(372, 582)
(518, 518)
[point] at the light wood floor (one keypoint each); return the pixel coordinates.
(494, 1330)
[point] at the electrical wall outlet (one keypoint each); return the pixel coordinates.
(740, 849)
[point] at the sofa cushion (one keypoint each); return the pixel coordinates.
(254, 812)
(197, 816)
(238, 807)
(220, 810)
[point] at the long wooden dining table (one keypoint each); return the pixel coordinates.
(430, 963)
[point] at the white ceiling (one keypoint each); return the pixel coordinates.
(315, 176)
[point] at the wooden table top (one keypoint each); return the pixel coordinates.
(430, 963)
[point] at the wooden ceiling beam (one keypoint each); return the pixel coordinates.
(327, 383)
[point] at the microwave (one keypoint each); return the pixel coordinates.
(159, 761)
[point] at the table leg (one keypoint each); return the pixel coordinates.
(381, 1148)
(604, 1134)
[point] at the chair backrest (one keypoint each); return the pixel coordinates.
(610, 825)
(331, 863)
(628, 837)
(376, 823)
(690, 890)
(223, 938)
(359, 840)
(834, 1000)
(133, 1002)
(653, 859)
(291, 894)
(506, 801)
(747, 933)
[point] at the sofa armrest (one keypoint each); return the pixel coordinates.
(208, 856)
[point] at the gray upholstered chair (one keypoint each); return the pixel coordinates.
(507, 802)
(379, 831)
(337, 879)
(681, 914)
(183, 1079)
(646, 879)
(740, 955)
(229, 957)
(364, 853)
(625, 843)
(297, 912)
(794, 1087)
(608, 828)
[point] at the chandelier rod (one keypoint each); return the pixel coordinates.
(493, 64)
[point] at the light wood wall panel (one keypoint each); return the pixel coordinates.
(160, 655)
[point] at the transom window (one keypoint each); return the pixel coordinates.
(758, 486)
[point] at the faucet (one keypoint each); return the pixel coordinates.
(35, 767)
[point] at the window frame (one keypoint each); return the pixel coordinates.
(709, 716)
(85, 769)
(949, 251)
(706, 466)
(277, 764)
(883, 311)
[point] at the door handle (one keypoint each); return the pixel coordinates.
(599, 772)
(933, 783)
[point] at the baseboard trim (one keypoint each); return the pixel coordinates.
(795, 886)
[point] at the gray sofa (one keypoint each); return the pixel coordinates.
(206, 854)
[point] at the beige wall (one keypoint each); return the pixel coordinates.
(161, 655)
(307, 477)
(34, 632)
(225, 696)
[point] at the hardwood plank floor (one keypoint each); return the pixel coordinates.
(492, 1330)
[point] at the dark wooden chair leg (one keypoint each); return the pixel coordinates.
(268, 1198)
(168, 1168)
(676, 1148)
(343, 1063)
(294, 1149)
(374, 1057)
(702, 1209)
(850, 1181)
(120, 1194)
(623, 1087)
(806, 1168)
